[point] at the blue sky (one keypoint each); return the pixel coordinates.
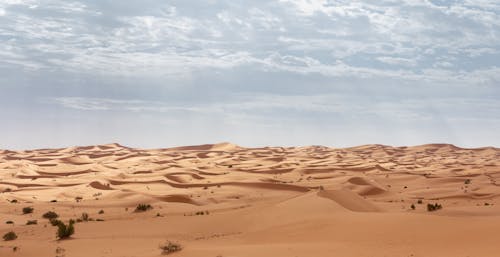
(155, 73)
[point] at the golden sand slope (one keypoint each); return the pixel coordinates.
(272, 201)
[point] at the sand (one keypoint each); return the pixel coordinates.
(272, 201)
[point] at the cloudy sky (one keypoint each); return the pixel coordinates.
(156, 73)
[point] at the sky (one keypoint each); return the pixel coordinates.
(156, 73)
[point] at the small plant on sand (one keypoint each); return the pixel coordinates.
(31, 222)
(55, 222)
(85, 217)
(9, 222)
(143, 207)
(170, 247)
(434, 207)
(419, 201)
(9, 236)
(65, 231)
(27, 210)
(50, 215)
(101, 212)
(412, 206)
(467, 181)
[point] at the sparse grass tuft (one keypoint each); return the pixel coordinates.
(143, 207)
(170, 247)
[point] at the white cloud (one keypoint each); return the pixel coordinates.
(398, 61)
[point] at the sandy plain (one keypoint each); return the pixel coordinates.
(271, 201)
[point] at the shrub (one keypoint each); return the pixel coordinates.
(55, 222)
(101, 212)
(9, 222)
(467, 181)
(50, 215)
(419, 201)
(434, 207)
(412, 207)
(143, 207)
(27, 210)
(85, 217)
(31, 222)
(14, 201)
(65, 231)
(53, 201)
(170, 247)
(9, 236)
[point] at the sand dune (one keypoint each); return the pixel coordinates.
(270, 201)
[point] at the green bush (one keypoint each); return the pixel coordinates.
(55, 222)
(50, 215)
(170, 247)
(65, 231)
(9, 236)
(143, 207)
(27, 210)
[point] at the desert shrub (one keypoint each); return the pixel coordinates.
(419, 201)
(412, 206)
(99, 220)
(50, 215)
(54, 222)
(13, 201)
(85, 217)
(170, 247)
(101, 212)
(143, 207)
(9, 222)
(31, 222)
(65, 231)
(434, 207)
(9, 236)
(53, 201)
(467, 181)
(27, 210)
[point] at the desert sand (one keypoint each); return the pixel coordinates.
(271, 201)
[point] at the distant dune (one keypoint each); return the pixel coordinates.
(227, 200)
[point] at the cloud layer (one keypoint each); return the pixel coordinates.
(284, 63)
